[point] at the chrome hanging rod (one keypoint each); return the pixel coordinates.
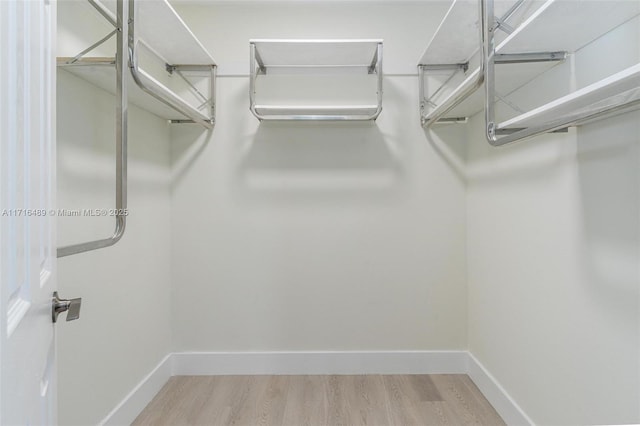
(121, 142)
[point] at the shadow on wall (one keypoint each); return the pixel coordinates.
(307, 161)
(521, 161)
(86, 138)
(608, 167)
(450, 142)
(541, 158)
(86, 161)
(186, 150)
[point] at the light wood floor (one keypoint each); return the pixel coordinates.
(319, 400)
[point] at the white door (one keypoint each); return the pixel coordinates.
(27, 185)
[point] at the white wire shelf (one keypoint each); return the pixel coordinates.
(100, 73)
(549, 26)
(170, 73)
(620, 88)
(313, 58)
(456, 38)
(317, 55)
(161, 29)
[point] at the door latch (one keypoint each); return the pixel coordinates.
(70, 306)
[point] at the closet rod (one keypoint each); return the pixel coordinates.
(121, 142)
(492, 131)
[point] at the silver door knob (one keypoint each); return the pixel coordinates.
(70, 306)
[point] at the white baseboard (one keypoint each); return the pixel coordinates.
(508, 409)
(133, 404)
(370, 362)
(277, 363)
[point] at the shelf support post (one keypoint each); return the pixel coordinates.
(380, 78)
(211, 100)
(212, 92)
(422, 70)
(121, 141)
(253, 71)
(487, 50)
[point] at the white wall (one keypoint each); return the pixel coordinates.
(124, 327)
(553, 258)
(316, 236)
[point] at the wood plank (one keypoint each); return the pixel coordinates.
(173, 401)
(217, 408)
(404, 404)
(306, 401)
(465, 398)
(440, 413)
(319, 400)
(366, 399)
(337, 410)
(271, 403)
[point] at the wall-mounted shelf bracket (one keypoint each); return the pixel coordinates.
(453, 120)
(445, 67)
(525, 58)
(312, 57)
(474, 81)
(531, 44)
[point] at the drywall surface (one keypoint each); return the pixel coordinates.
(553, 258)
(315, 236)
(225, 28)
(124, 326)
